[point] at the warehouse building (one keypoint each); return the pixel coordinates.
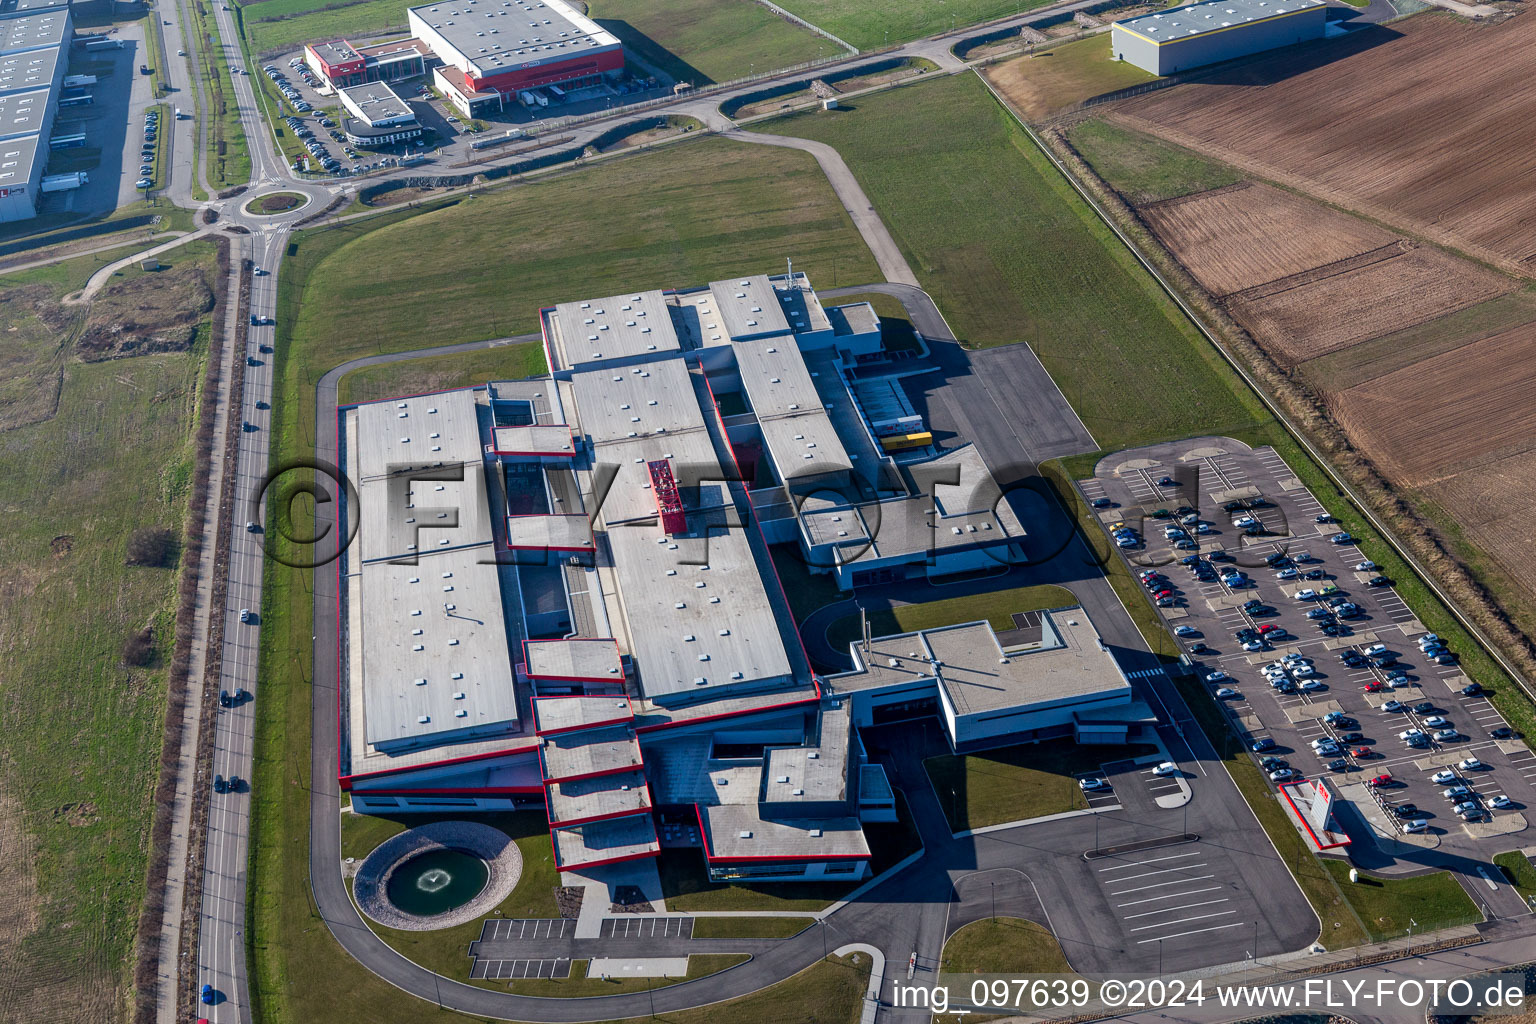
(22, 8)
(493, 50)
(562, 595)
(34, 40)
(1205, 33)
(340, 64)
(378, 117)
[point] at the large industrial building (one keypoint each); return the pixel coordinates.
(492, 50)
(342, 65)
(35, 36)
(1189, 37)
(562, 594)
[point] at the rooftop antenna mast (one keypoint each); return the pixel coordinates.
(789, 266)
(864, 627)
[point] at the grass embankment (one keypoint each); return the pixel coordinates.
(1010, 253)
(1017, 783)
(1004, 945)
(442, 373)
(1520, 873)
(277, 25)
(92, 452)
(155, 57)
(275, 202)
(750, 927)
(705, 41)
(995, 607)
(1145, 169)
(781, 99)
(1391, 908)
(227, 158)
(675, 216)
(1053, 80)
(685, 883)
(871, 26)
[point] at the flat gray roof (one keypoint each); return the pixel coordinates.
(604, 796)
(34, 31)
(854, 318)
(745, 307)
(590, 752)
(800, 437)
(550, 533)
(737, 831)
(801, 306)
(21, 8)
(610, 839)
(629, 496)
(434, 646)
(503, 35)
(556, 714)
(20, 160)
(813, 773)
(376, 103)
(697, 629)
(535, 439)
(1197, 19)
(618, 327)
(637, 401)
(20, 72)
(23, 113)
(534, 393)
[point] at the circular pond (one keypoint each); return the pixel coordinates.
(436, 882)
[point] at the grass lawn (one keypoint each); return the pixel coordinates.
(1390, 907)
(89, 452)
(1010, 253)
(995, 607)
(442, 373)
(273, 25)
(704, 41)
(1145, 169)
(1004, 945)
(685, 884)
(1014, 783)
(870, 26)
(750, 927)
(1342, 927)
(228, 156)
(678, 215)
(1051, 81)
(1517, 868)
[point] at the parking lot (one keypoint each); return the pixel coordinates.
(1337, 676)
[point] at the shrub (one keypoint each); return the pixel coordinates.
(139, 648)
(151, 545)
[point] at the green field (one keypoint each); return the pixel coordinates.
(1520, 873)
(1010, 253)
(704, 41)
(283, 25)
(227, 158)
(1145, 169)
(82, 729)
(750, 927)
(1004, 945)
(442, 373)
(1054, 79)
(679, 215)
(869, 26)
(996, 607)
(1393, 907)
(1017, 783)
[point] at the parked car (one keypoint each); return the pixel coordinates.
(1415, 825)
(1394, 705)
(1501, 801)
(1470, 764)
(1443, 778)
(1282, 775)
(1341, 538)
(1165, 768)
(1381, 780)
(1092, 784)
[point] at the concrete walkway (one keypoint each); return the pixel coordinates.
(101, 277)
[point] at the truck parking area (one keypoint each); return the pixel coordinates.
(1322, 667)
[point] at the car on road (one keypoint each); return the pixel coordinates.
(219, 785)
(1282, 775)
(1092, 784)
(225, 700)
(208, 995)
(1394, 705)
(1501, 801)
(1226, 692)
(1443, 778)
(245, 615)
(1165, 768)
(1470, 764)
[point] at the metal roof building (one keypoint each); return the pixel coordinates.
(1181, 38)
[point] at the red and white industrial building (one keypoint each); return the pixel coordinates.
(561, 595)
(492, 50)
(342, 65)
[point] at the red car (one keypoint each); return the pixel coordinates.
(1268, 627)
(1380, 780)
(1376, 686)
(1165, 592)
(1363, 753)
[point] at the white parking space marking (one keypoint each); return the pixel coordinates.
(1152, 860)
(1163, 871)
(1159, 885)
(1182, 906)
(1184, 920)
(1169, 896)
(1197, 931)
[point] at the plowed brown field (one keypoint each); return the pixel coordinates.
(1492, 505)
(1330, 308)
(1249, 234)
(1427, 421)
(1426, 123)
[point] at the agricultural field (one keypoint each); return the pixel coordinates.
(1348, 120)
(95, 422)
(274, 26)
(870, 26)
(682, 214)
(1054, 80)
(705, 41)
(1011, 254)
(1143, 168)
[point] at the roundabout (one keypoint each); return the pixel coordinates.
(273, 203)
(437, 875)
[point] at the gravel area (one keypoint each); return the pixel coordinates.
(491, 845)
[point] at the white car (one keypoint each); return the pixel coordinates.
(1436, 722)
(1287, 574)
(1305, 594)
(1254, 645)
(1374, 649)
(1429, 640)
(1166, 768)
(1409, 734)
(1309, 685)
(1366, 566)
(1470, 764)
(1185, 631)
(1444, 778)
(1303, 671)
(1415, 825)
(1501, 801)
(1090, 785)
(1227, 691)
(1282, 775)
(1217, 677)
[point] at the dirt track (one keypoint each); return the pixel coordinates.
(1426, 124)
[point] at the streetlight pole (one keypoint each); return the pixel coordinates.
(994, 899)
(1159, 958)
